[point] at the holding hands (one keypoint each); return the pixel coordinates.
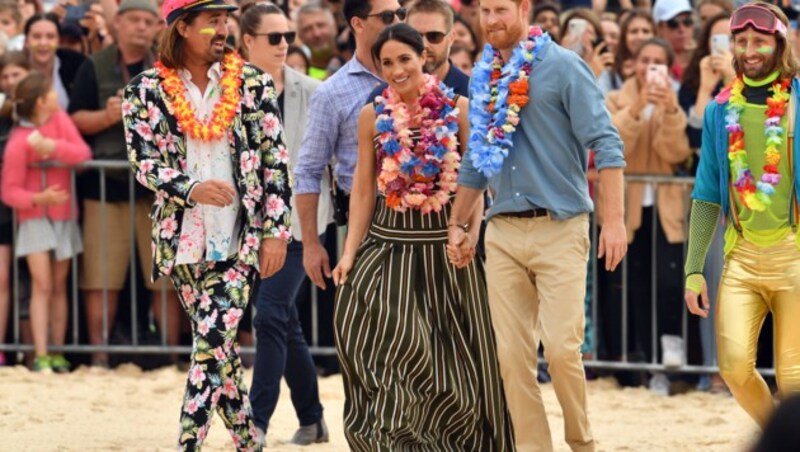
(460, 246)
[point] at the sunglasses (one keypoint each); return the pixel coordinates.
(275, 38)
(434, 37)
(387, 17)
(759, 18)
(675, 22)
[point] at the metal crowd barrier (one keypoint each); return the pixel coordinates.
(74, 345)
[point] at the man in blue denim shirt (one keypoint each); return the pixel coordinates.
(537, 241)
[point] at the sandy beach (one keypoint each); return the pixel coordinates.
(130, 410)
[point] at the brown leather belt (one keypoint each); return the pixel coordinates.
(533, 213)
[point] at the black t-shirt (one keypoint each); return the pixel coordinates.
(85, 97)
(280, 103)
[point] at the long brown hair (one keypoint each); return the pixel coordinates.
(787, 62)
(28, 91)
(623, 52)
(170, 49)
(691, 76)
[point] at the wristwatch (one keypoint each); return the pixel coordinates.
(464, 227)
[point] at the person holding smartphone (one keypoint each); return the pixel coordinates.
(652, 126)
(583, 34)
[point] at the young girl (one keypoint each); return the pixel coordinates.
(48, 232)
(13, 68)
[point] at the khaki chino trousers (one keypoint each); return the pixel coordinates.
(536, 278)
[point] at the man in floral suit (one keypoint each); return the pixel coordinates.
(204, 133)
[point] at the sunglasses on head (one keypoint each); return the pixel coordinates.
(275, 38)
(760, 18)
(434, 37)
(387, 17)
(675, 22)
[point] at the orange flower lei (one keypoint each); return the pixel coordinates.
(222, 115)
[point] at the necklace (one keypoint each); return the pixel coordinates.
(407, 171)
(756, 195)
(222, 115)
(497, 94)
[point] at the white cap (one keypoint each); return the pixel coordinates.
(665, 10)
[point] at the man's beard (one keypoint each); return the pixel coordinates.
(510, 36)
(433, 66)
(768, 67)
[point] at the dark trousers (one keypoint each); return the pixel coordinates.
(281, 350)
(668, 261)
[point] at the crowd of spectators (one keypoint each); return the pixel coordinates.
(659, 63)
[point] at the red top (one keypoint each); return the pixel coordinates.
(21, 180)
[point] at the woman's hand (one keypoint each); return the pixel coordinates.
(600, 61)
(723, 66)
(709, 77)
(51, 196)
(662, 96)
(343, 268)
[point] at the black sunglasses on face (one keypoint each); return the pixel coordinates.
(275, 38)
(675, 22)
(434, 37)
(387, 17)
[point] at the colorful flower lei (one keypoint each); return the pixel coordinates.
(410, 172)
(497, 94)
(222, 115)
(756, 196)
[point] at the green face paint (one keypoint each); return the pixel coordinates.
(741, 50)
(765, 50)
(208, 31)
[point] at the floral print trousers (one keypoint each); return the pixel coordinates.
(214, 295)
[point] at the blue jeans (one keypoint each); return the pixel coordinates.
(281, 349)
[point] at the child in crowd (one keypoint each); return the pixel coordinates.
(13, 67)
(48, 232)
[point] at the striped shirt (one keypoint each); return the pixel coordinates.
(332, 128)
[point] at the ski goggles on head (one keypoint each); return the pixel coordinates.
(759, 17)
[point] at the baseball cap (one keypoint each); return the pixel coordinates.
(665, 10)
(138, 5)
(173, 9)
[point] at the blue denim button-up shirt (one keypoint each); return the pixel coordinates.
(546, 167)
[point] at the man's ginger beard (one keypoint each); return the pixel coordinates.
(509, 36)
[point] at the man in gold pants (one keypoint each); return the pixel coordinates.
(749, 172)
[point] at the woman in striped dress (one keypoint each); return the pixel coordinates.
(413, 332)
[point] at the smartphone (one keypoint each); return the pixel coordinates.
(720, 43)
(657, 74)
(577, 27)
(76, 12)
(598, 41)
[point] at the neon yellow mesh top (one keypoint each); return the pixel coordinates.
(772, 225)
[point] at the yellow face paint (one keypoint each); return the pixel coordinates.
(208, 31)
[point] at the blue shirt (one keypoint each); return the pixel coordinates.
(332, 128)
(454, 79)
(546, 167)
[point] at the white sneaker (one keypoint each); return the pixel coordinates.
(659, 384)
(673, 354)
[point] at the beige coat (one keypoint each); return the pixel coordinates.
(654, 146)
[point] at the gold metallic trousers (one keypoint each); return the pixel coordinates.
(755, 281)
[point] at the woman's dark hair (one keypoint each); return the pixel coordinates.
(402, 33)
(170, 49)
(658, 42)
(28, 91)
(691, 76)
(586, 14)
(475, 40)
(294, 50)
(51, 17)
(623, 52)
(250, 20)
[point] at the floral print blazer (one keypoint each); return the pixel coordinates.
(157, 154)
